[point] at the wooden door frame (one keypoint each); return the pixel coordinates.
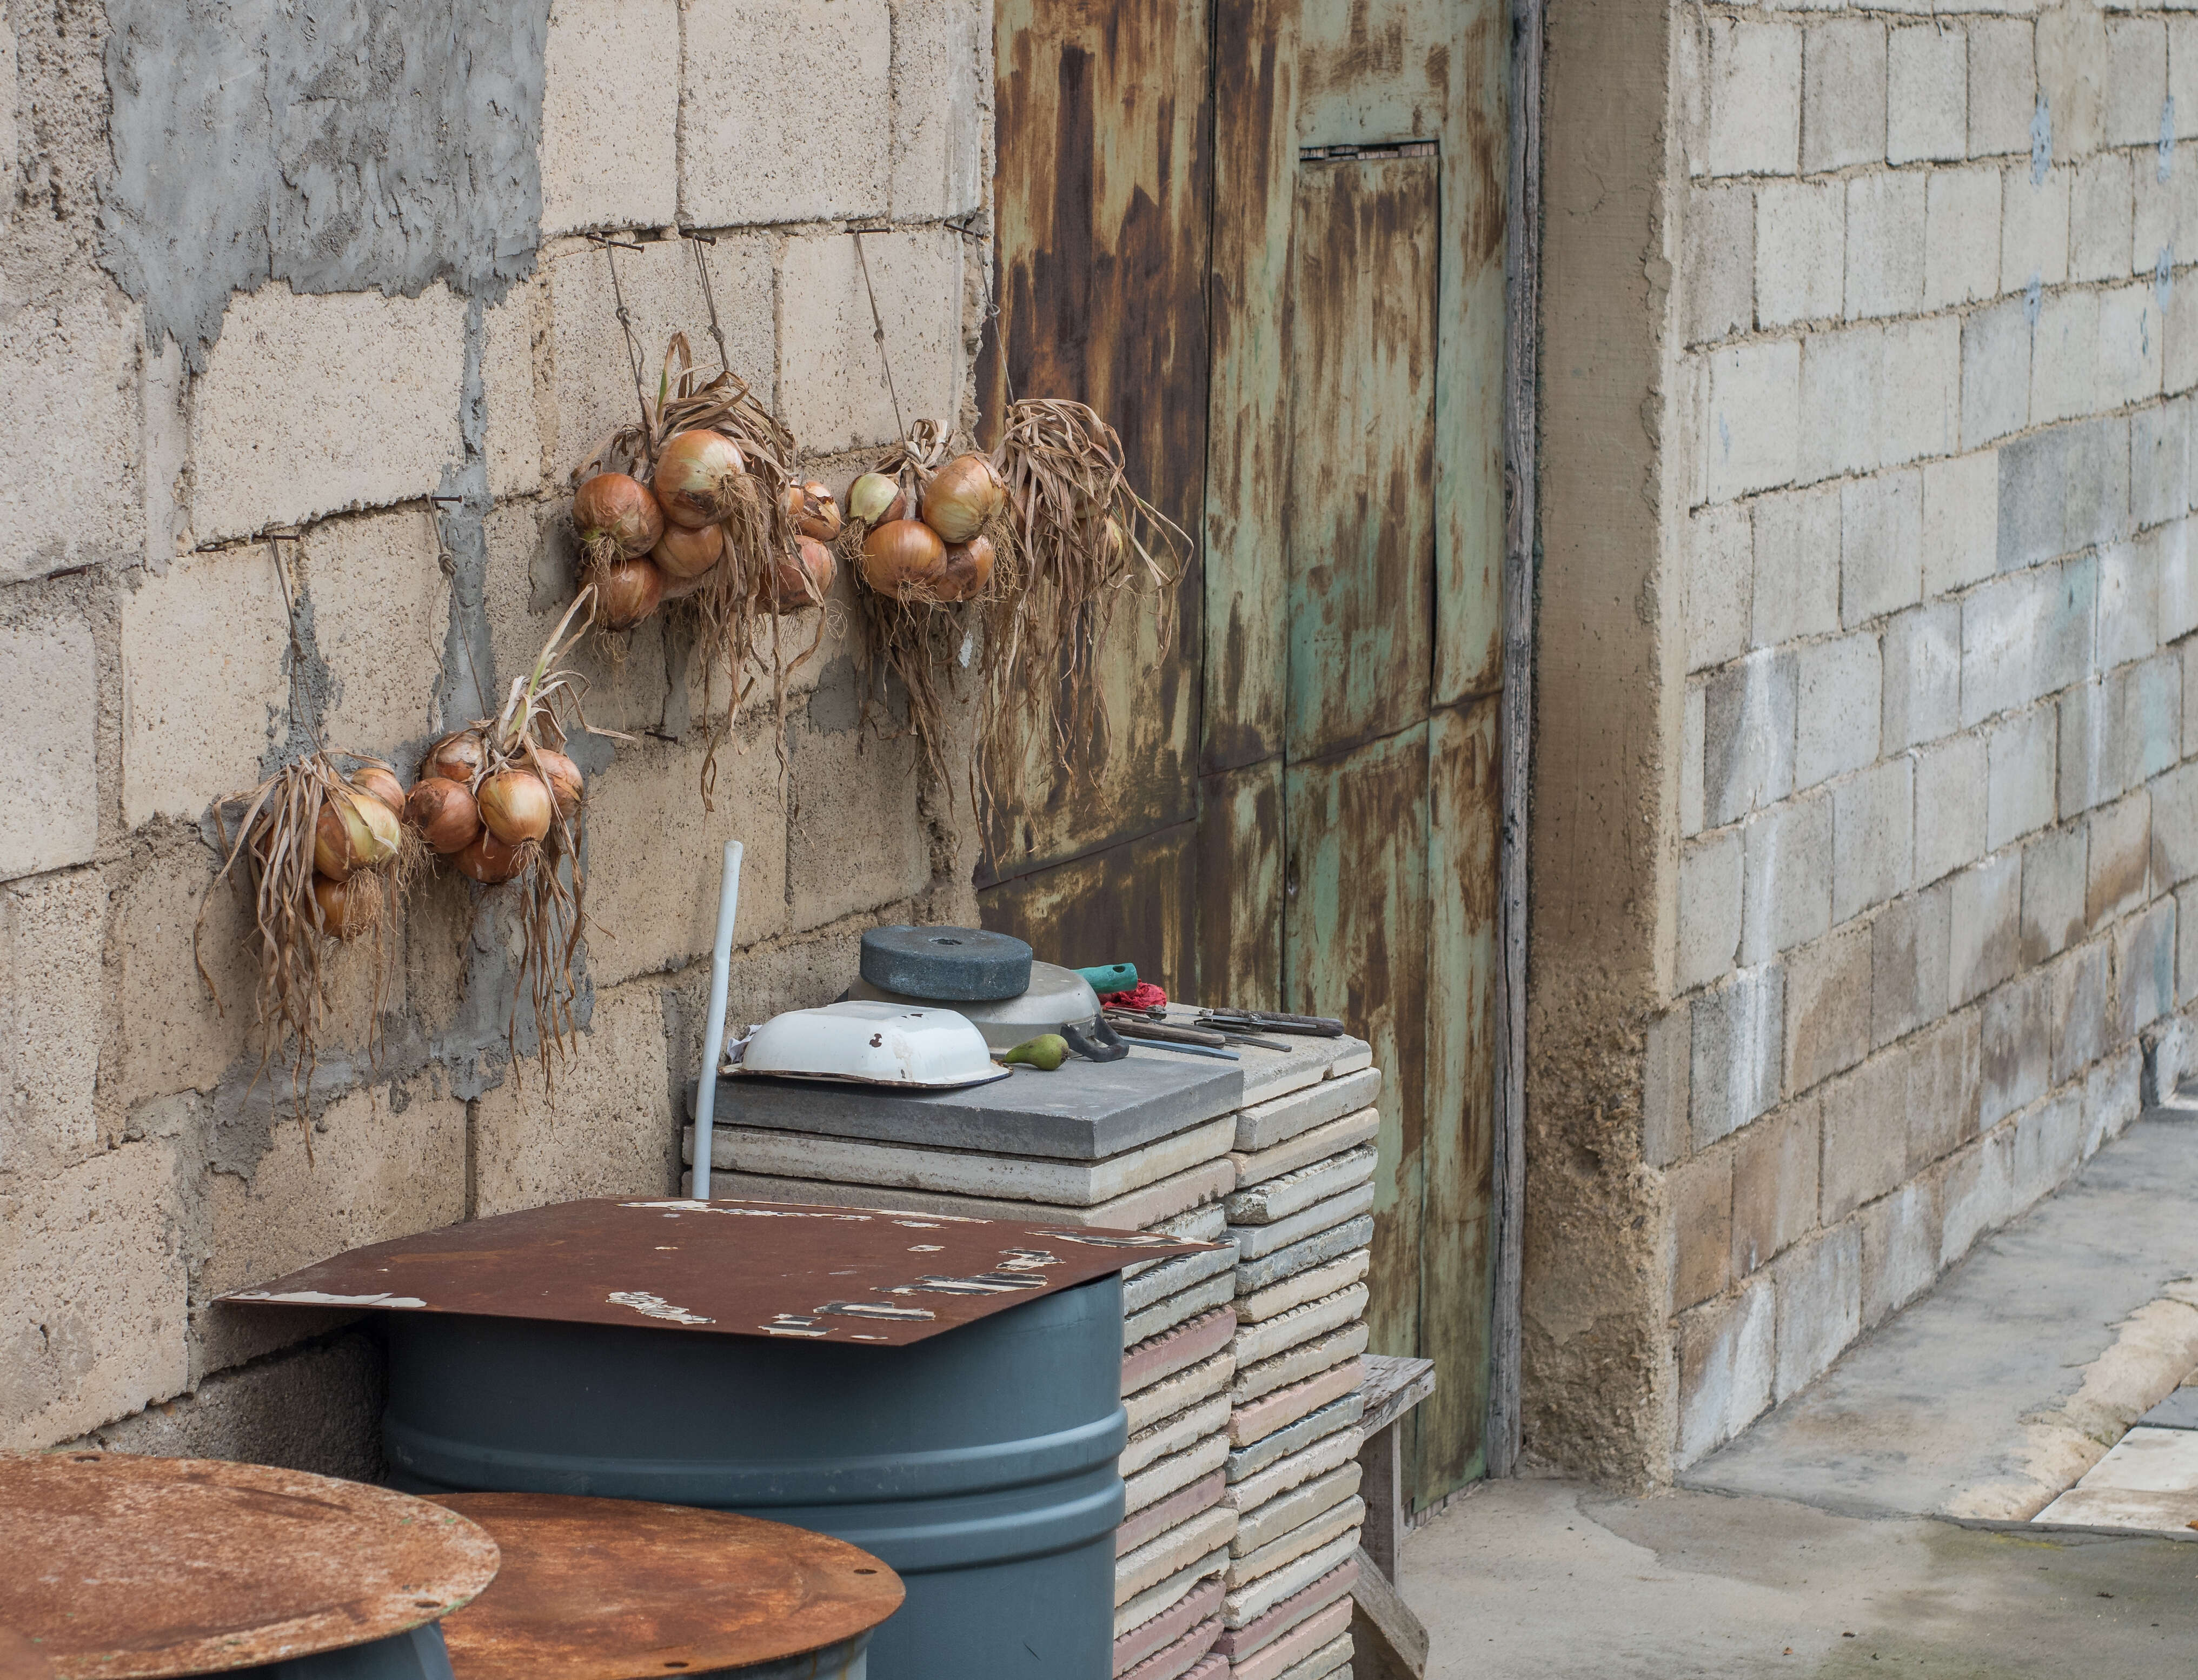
(1521, 528)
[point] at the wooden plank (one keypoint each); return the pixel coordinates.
(1238, 913)
(1393, 1385)
(1127, 904)
(1255, 161)
(1522, 270)
(1382, 1485)
(1389, 1643)
(1464, 817)
(1355, 946)
(1102, 192)
(1361, 519)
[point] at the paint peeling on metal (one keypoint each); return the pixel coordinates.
(979, 1284)
(655, 1306)
(874, 1310)
(754, 1212)
(1114, 1239)
(317, 1297)
(793, 1324)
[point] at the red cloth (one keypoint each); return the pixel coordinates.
(1144, 995)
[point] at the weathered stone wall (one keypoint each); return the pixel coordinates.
(1923, 789)
(263, 273)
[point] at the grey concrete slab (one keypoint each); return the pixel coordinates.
(1083, 1111)
(1933, 1405)
(1552, 1580)
(2179, 1411)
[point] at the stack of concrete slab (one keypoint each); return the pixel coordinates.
(1240, 1365)
(1300, 1217)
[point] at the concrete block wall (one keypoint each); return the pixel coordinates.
(1935, 337)
(311, 318)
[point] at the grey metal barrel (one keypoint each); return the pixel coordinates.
(980, 1463)
(416, 1655)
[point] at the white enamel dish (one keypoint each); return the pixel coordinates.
(906, 1046)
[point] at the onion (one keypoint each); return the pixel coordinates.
(386, 834)
(616, 515)
(961, 496)
(871, 498)
(382, 784)
(516, 804)
(353, 832)
(628, 592)
(698, 478)
(348, 908)
(331, 839)
(456, 758)
(801, 579)
(688, 551)
(821, 514)
(564, 779)
(903, 556)
(443, 813)
(488, 860)
(968, 567)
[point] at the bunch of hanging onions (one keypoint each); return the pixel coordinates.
(327, 858)
(929, 536)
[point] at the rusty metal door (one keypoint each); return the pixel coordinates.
(1325, 838)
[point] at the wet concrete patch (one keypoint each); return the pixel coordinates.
(344, 147)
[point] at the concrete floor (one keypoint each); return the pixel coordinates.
(2012, 1377)
(1827, 1540)
(1546, 1580)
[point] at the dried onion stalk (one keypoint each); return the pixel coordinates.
(1087, 538)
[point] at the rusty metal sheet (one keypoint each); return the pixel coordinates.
(1101, 194)
(1126, 903)
(1247, 464)
(1371, 72)
(621, 1589)
(722, 1267)
(1356, 946)
(1362, 472)
(125, 1567)
(1239, 915)
(1444, 1440)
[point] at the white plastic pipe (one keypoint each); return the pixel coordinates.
(713, 1029)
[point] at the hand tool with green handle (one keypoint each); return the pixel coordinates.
(1111, 977)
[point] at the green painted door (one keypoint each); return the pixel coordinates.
(1267, 239)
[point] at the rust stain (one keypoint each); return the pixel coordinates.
(132, 1567)
(612, 1588)
(1130, 902)
(1103, 187)
(1362, 477)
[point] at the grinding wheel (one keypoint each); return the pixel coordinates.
(946, 965)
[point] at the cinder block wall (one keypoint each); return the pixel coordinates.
(305, 281)
(1937, 774)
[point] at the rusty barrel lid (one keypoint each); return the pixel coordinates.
(127, 1567)
(621, 1588)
